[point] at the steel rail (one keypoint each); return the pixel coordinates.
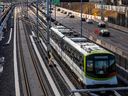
(42, 52)
(36, 64)
(26, 80)
(20, 56)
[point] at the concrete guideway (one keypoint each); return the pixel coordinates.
(17, 87)
(32, 77)
(53, 86)
(10, 36)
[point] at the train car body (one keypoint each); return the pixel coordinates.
(92, 64)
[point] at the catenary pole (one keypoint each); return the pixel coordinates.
(48, 27)
(102, 13)
(81, 11)
(37, 16)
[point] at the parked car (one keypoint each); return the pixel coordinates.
(65, 12)
(102, 24)
(71, 16)
(52, 8)
(89, 21)
(58, 9)
(102, 32)
(60, 27)
(62, 11)
(83, 19)
(69, 13)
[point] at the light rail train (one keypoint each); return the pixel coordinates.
(92, 64)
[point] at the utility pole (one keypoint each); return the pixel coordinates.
(81, 9)
(55, 12)
(102, 13)
(126, 16)
(48, 27)
(37, 16)
(50, 12)
(27, 10)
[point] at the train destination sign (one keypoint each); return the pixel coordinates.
(57, 2)
(74, 0)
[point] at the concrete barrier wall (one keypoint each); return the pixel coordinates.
(118, 27)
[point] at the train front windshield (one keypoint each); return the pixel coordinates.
(100, 65)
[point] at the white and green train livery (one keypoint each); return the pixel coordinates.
(92, 64)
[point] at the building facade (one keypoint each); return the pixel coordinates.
(116, 2)
(111, 2)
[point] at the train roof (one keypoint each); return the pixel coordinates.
(59, 27)
(65, 30)
(68, 40)
(75, 45)
(89, 46)
(82, 44)
(57, 31)
(79, 39)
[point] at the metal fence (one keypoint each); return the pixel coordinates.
(112, 7)
(121, 19)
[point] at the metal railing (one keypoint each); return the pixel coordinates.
(4, 23)
(112, 7)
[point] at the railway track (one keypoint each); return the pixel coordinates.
(33, 82)
(24, 73)
(59, 81)
(44, 58)
(38, 69)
